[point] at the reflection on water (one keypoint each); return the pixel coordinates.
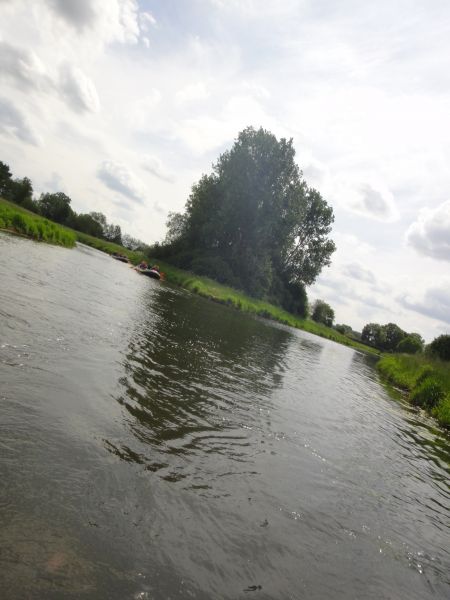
(154, 445)
(191, 382)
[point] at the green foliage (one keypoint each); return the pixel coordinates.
(428, 394)
(372, 334)
(344, 329)
(20, 220)
(256, 214)
(55, 207)
(442, 411)
(214, 268)
(393, 335)
(426, 379)
(386, 337)
(411, 344)
(5, 180)
(322, 313)
(440, 347)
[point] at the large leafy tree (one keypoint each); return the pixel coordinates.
(411, 344)
(5, 179)
(440, 347)
(322, 313)
(255, 214)
(55, 207)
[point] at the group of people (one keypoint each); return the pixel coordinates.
(144, 266)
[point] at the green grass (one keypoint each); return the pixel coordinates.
(16, 219)
(426, 380)
(108, 247)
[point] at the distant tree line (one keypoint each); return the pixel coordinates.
(253, 223)
(56, 207)
(391, 338)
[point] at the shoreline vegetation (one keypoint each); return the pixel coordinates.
(425, 379)
(18, 220)
(202, 286)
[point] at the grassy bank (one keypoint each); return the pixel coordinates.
(108, 247)
(31, 225)
(18, 220)
(426, 380)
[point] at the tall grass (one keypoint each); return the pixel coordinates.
(16, 219)
(426, 379)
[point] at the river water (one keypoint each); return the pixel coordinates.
(154, 445)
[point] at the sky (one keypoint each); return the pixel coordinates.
(124, 104)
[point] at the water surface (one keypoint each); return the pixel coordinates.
(154, 445)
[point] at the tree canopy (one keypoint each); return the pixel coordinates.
(322, 313)
(440, 347)
(254, 221)
(391, 338)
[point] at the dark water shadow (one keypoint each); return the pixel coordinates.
(193, 372)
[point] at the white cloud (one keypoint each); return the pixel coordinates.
(120, 179)
(154, 165)
(146, 21)
(430, 234)
(80, 14)
(104, 22)
(78, 90)
(435, 303)
(192, 92)
(371, 200)
(358, 272)
(141, 113)
(14, 123)
(22, 67)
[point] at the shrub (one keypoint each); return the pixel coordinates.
(442, 411)
(428, 394)
(213, 267)
(440, 347)
(411, 344)
(425, 372)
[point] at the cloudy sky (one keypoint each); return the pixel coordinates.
(123, 104)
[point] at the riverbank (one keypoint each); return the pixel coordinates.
(207, 288)
(18, 220)
(426, 381)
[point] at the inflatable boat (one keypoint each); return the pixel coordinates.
(120, 257)
(150, 273)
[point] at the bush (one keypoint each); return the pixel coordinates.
(442, 411)
(409, 345)
(214, 268)
(428, 394)
(424, 373)
(440, 347)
